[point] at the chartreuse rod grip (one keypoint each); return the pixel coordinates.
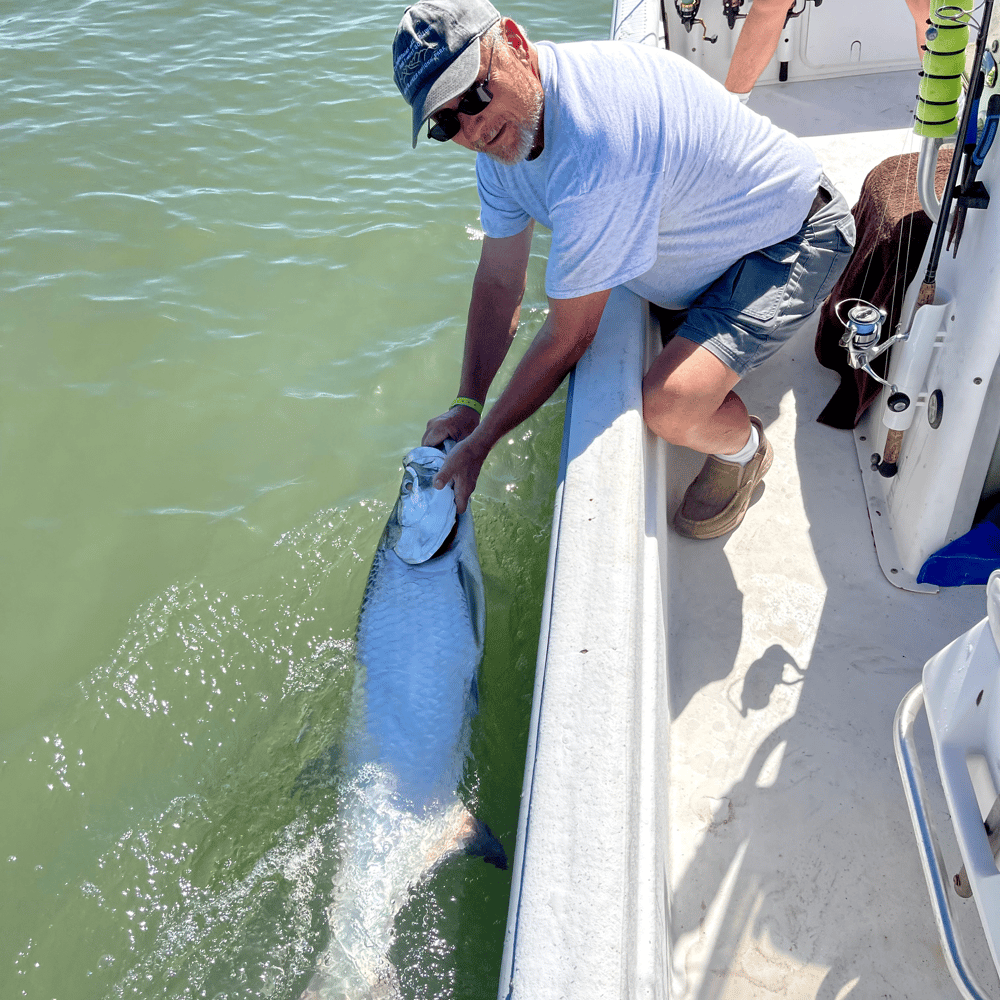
(944, 61)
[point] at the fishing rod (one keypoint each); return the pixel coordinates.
(973, 193)
(930, 276)
(947, 18)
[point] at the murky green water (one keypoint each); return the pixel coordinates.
(230, 298)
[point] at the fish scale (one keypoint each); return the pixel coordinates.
(419, 645)
(420, 640)
(419, 649)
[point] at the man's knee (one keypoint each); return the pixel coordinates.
(683, 389)
(666, 412)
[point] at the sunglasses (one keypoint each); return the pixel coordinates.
(446, 124)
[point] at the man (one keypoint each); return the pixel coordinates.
(650, 175)
(761, 32)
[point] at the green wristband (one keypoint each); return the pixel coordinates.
(472, 404)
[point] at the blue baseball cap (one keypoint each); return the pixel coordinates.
(433, 58)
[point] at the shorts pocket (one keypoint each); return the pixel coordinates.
(847, 231)
(760, 287)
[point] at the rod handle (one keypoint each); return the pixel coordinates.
(889, 465)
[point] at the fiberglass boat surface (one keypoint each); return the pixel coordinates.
(711, 806)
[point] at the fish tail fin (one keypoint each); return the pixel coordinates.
(480, 842)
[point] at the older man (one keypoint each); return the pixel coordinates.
(651, 175)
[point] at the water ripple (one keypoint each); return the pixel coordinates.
(224, 268)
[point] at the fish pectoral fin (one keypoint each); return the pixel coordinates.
(470, 580)
(467, 835)
(479, 841)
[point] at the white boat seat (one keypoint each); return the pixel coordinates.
(961, 693)
(962, 697)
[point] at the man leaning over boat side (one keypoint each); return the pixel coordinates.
(649, 174)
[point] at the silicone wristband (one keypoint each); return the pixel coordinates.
(472, 404)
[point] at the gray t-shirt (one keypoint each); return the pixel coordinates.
(653, 175)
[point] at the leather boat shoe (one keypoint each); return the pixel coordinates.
(720, 495)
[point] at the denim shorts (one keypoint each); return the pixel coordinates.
(752, 309)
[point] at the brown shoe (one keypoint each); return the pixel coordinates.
(720, 495)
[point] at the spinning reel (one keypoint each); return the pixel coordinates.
(862, 330)
(731, 8)
(687, 11)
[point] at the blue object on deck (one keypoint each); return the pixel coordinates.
(967, 560)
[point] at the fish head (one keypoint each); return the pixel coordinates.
(423, 516)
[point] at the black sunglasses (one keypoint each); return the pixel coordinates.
(446, 124)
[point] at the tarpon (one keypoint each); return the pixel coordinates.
(419, 645)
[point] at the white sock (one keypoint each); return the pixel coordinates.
(744, 97)
(746, 452)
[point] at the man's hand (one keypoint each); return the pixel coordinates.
(458, 423)
(493, 314)
(462, 467)
(558, 345)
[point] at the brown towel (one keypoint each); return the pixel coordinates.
(892, 232)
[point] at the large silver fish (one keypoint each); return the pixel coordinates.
(419, 645)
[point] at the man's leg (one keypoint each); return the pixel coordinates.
(688, 399)
(736, 324)
(757, 43)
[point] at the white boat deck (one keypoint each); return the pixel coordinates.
(722, 818)
(793, 866)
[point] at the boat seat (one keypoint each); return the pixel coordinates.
(961, 694)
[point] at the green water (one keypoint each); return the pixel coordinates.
(230, 298)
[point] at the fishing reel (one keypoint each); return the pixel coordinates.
(687, 11)
(731, 9)
(862, 331)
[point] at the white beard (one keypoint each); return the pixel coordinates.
(527, 130)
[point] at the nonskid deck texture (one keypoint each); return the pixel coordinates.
(792, 864)
(793, 867)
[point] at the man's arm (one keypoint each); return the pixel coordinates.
(757, 43)
(494, 310)
(558, 345)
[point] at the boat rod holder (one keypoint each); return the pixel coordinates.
(792, 12)
(862, 330)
